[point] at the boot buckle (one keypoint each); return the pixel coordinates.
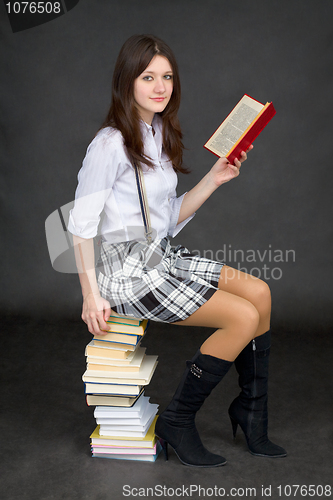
(196, 370)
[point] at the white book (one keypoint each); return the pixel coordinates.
(141, 432)
(141, 377)
(112, 389)
(139, 458)
(135, 411)
(128, 423)
(123, 451)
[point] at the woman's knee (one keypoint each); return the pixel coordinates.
(249, 318)
(262, 297)
(247, 286)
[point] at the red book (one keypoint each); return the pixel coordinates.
(241, 127)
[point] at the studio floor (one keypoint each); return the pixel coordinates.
(46, 424)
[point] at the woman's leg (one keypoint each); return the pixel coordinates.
(240, 310)
(249, 409)
(250, 288)
(235, 318)
(236, 321)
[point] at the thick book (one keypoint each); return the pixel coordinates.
(241, 127)
(112, 401)
(139, 458)
(99, 367)
(130, 329)
(124, 320)
(105, 364)
(111, 361)
(107, 351)
(121, 338)
(142, 377)
(147, 442)
(122, 450)
(132, 338)
(113, 345)
(135, 411)
(129, 421)
(126, 431)
(112, 389)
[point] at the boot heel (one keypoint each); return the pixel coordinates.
(164, 445)
(234, 425)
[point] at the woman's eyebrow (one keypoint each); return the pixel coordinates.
(153, 72)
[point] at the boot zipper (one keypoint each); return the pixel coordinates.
(251, 416)
(254, 348)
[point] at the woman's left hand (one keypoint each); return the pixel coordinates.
(223, 171)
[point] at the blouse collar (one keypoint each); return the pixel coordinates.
(154, 130)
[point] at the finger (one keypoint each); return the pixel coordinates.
(243, 156)
(103, 314)
(249, 148)
(235, 170)
(107, 313)
(222, 161)
(102, 324)
(93, 325)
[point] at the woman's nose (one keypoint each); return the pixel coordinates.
(159, 86)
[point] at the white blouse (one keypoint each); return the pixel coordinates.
(106, 182)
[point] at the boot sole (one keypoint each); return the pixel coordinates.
(195, 465)
(165, 445)
(266, 456)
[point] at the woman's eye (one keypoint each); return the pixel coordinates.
(149, 78)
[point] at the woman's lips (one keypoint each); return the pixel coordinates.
(157, 99)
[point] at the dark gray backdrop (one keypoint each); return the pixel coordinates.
(55, 91)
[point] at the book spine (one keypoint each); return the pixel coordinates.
(127, 329)
(130, 341)
(252, 132)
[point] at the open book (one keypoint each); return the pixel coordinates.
(241, 127)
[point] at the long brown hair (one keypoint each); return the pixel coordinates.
(134, 57)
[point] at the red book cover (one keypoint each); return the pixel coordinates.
(249, 135)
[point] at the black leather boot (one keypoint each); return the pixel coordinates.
(176, 425)
(249, 409)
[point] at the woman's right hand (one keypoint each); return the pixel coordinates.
(95, 313)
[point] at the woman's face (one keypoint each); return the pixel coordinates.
(153, 88)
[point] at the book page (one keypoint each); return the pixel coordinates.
(234, 126)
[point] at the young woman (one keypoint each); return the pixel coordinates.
(157, 281)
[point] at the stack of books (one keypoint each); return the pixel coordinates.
(126, 433)
(118, 370)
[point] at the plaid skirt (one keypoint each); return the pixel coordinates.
(156, 281)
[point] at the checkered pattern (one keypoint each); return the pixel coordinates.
(156, 281)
